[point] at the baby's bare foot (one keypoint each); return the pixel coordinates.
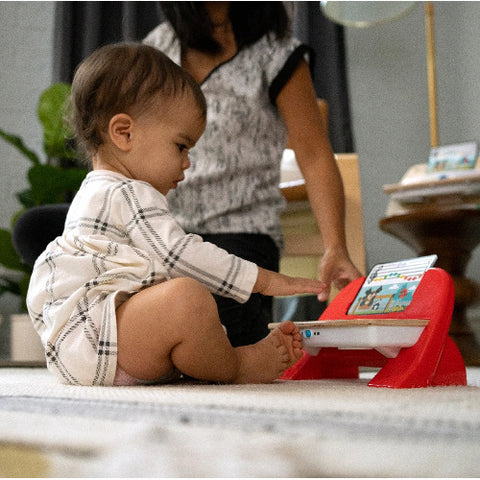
(266, 360)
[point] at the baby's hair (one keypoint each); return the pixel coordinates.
(123, 78)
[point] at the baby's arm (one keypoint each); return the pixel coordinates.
(276, 284)
(158, 234)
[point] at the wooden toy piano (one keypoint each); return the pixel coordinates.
(412, 347)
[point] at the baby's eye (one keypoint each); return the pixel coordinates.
(181, 147)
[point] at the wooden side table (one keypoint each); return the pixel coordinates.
(451, 232)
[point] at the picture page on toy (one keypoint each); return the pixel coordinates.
(389, 287)
(461, 156)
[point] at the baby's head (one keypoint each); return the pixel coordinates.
(126, 78)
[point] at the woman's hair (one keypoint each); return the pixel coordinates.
(250, 22)
(123, 78)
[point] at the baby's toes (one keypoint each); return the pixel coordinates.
(288, 327)
(298, 353)
(297, 344)
(297, 336)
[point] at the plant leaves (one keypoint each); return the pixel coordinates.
(51, 184)
(15, 217)
(8, 255)
(51, 110)
(25, 198)
(17, 142)
(7, 285)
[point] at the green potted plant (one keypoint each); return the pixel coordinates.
(52, 178)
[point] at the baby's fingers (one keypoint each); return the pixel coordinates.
(305, 285)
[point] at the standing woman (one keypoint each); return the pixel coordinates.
(258, 87)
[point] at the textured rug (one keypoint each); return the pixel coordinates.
(333, 428)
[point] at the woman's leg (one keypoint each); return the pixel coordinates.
(176, 324)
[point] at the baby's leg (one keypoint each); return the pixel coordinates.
(176, 323)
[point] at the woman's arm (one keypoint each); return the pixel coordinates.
(298, 107)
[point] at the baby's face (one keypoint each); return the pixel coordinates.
(165, 139)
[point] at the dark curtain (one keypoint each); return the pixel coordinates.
(328, 69)
(81, 27)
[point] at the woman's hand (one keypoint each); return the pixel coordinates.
(337, 268)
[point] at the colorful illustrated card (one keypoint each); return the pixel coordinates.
(461, 156)
(389, 287)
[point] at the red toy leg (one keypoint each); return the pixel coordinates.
(451, 369)
(433, 356)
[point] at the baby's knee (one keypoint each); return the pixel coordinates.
(195, 308)
(189, 287)
(193, 294)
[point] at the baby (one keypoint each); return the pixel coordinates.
(124, 295)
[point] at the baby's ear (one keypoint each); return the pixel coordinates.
(120, 130)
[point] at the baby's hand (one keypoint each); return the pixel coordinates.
(277, 284)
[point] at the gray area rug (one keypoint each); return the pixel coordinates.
(336, 428)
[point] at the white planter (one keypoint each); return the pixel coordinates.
(25, 343)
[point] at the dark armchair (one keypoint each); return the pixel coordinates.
(36, 228)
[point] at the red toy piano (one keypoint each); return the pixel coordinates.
(405, 333)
